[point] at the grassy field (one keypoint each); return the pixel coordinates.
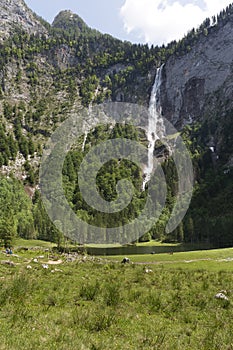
(216, 259)
(50, 301)
(140, 244)
(32, 243)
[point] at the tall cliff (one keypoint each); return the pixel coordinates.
(15, 15)
(197, 97)
(197, 87)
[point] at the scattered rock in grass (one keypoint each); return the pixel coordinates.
(19, 249)
(53, 257)
(80, 258)
(148, 270)
(56, 270)
(40, 257)
(8, 262)
(29, 267)
(35, 260)
(223, 291)
(70, 259)
(221, 296)
(45, 266)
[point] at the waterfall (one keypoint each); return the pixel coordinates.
(84, 141)
(86, 132)
(156, 127)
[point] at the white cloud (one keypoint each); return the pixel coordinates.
(161, 21)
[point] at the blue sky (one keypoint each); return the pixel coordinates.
(152, 21)
(103, 15)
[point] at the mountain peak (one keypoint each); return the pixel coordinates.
(66, 19)
(16, 14)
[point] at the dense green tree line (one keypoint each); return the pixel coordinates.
(16, 211)
(209, 218)
(22, 217)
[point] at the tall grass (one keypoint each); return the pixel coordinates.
(105, 305)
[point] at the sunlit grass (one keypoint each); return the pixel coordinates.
(20, 242)
(103, 304)
(207, 259)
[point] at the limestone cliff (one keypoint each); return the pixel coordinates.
(197, 87)
(191, 80)
(15, 14)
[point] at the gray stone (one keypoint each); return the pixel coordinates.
(16, 14)
(188, 80)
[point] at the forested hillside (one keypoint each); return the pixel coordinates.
(49, 72)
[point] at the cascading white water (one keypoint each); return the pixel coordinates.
(84, 141)
(86, 132)
(155, 124)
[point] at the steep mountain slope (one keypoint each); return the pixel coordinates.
(198, 74)
(196, 96)
(15, 15)
(67, 20)
(198, 86)
(47, 73)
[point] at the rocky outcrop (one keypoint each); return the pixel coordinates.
(191, 82)
(15, 15)
(68, 20)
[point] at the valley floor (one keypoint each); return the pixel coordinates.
(80, 302)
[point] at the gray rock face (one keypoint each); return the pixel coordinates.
(190, 81)
(15, 14)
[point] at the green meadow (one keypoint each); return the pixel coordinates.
(211, 260)
(74, 302)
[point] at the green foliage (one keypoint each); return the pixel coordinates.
(45, 229)
(209, 218)
(107, 178)
(90, 291)
(88, 67)
(15, 211)
(7, 231)
(122, 311)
